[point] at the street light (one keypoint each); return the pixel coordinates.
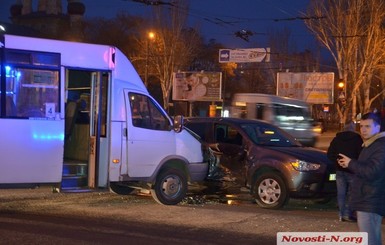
(342, 91)
(151, 36)
(341, 86)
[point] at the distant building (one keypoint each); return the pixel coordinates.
(49, 20)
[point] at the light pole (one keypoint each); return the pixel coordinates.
(151, 36)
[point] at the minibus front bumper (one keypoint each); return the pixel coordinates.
(198, 171)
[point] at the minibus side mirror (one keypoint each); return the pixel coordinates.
(178, 123)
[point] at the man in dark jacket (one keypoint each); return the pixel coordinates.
(349, 143)
(368, 187)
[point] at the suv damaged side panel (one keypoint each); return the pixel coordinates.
(262, 158)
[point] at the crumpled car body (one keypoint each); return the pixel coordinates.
(262, 159)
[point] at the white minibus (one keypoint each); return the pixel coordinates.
(77, 116)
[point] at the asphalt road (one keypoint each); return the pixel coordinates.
(325, 139)
(38, 216)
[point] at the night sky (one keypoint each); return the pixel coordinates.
(218, 19)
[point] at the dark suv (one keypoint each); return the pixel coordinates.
(259, 156)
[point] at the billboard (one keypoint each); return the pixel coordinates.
(312, 87)
(197, 86)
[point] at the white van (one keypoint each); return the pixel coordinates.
(289, 114)
(78, 116)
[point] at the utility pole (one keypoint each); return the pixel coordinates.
(151, 36)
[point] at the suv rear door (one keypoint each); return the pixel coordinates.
(229, 145)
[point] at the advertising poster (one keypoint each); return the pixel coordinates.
(312, 87)
(197, 86)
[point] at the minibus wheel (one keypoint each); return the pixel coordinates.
(270, 191)
(170, 187)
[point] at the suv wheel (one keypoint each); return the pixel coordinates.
(270, 191)
(170, 187)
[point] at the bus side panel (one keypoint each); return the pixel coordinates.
(31, 151)
(103, 163)
(117, 136)
(117, 161)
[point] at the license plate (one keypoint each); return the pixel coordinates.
(332, 177)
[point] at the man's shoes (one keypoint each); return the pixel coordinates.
(348, 219)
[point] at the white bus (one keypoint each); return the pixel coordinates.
(289, 114)
(78, 116)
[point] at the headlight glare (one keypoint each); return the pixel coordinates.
(300, 165)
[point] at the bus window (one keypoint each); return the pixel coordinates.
(290, 113)
(145, 113)
(34, 89)
(32, 84)
(10, 107)
(260, 109)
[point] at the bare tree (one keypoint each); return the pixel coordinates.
(119, 31)
(352, 32)
(285, 57)
(174, 45)
(172, 48)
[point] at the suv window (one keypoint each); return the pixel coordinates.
(200, 128)
(227, 134)
(268, 135)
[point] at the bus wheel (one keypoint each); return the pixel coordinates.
(121, 189)
(170, 187)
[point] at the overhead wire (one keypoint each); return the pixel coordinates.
(229, 21)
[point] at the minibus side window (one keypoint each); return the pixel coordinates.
(32, 93)
(145, 114)
(32, 84)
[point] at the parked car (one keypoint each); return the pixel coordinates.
(263, 159)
